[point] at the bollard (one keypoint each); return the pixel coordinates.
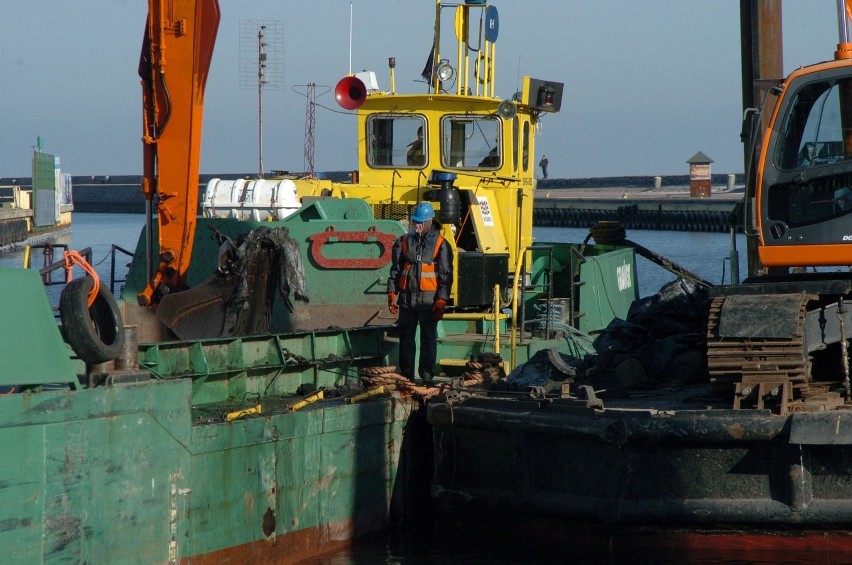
(129, 353)
(104, 367)
(731, 179)
(658, 183)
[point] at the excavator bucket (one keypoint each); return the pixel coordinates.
(238, 298)
(199, 312)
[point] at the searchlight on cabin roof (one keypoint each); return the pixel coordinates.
(507, 109)
(444, 70)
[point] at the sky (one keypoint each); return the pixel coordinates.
(647, 84)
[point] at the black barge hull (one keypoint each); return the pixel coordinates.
(638, 466)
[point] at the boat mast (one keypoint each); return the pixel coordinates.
(436, 48)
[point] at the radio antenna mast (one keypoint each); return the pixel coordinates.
(261, 66)
(261, 80)
(310, 126)
(350, 38)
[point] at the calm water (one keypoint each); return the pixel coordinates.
(98, 231)
(702, 253)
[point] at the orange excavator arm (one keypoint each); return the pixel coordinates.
(175, 60)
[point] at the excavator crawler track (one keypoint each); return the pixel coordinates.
(767, 366)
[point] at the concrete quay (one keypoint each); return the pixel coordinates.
(669, 207)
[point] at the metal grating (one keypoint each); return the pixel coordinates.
(392, 211)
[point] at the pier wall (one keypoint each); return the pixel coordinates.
(639, 182)
(638, 202)
(122, 194)
(651, 213)
(631, 217)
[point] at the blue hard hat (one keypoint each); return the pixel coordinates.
(423, 212)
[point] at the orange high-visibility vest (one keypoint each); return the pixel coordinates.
(428, 276)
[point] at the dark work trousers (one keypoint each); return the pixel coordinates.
(408, 320)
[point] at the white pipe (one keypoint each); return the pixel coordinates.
(350, 38)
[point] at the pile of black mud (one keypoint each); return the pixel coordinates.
(662, 342)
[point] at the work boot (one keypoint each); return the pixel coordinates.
(426, 378)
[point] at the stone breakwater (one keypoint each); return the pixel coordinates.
(667, 208)
(632, 182)
(121, 193)
(638, 202)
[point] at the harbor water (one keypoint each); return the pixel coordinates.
(705, 254)
(97, 231)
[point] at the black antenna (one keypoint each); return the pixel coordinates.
(518, 78)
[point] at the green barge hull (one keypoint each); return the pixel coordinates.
(145, 468)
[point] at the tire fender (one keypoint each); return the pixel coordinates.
(96, 333)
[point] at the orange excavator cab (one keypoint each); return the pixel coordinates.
(786, 327)
(803, 194)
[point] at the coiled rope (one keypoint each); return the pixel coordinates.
(486, 367)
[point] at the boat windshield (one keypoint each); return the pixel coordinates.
(397, 141)
(471, 142)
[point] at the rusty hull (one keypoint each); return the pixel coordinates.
(148, 472)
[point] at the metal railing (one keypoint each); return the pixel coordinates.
(112, 279)
(545, 286)
(50, 265)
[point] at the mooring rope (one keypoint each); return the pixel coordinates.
(483, 368)
(613, 233)
(74, 258)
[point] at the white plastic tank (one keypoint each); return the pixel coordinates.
(250, 199)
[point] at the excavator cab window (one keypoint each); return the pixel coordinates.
(809, 203)
(807, 189)
(812, 134)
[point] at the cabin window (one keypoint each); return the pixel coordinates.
(525, 161)
(471, 142)
(397, 142)
(515, 123)
(812, 133)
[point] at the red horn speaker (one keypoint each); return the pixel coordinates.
(350, 93)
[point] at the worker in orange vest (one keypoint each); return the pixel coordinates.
(421, 277)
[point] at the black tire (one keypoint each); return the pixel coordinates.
(95, 334)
